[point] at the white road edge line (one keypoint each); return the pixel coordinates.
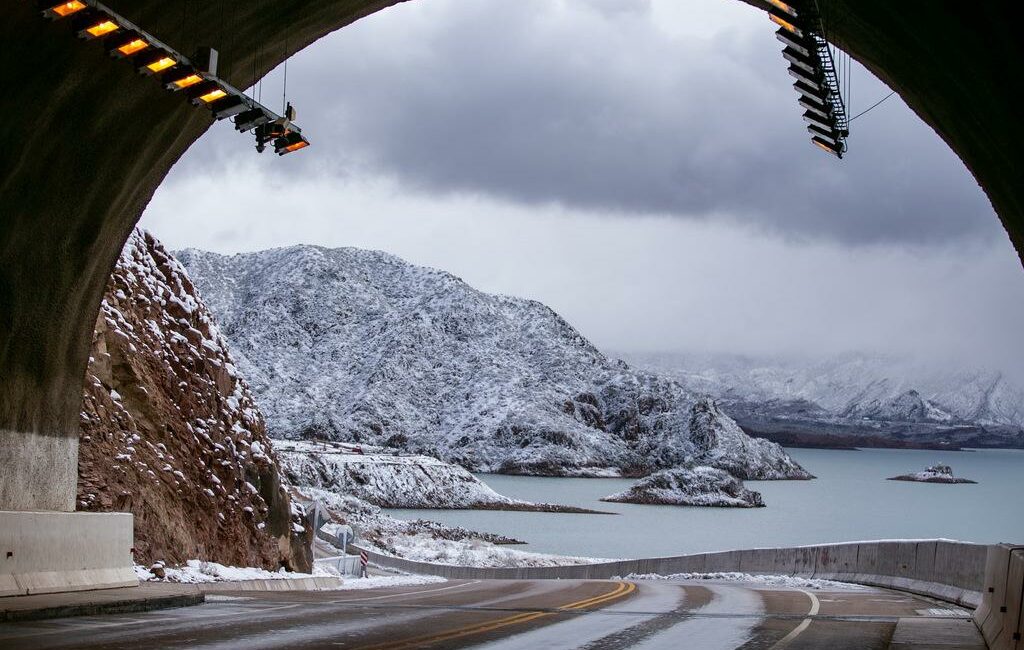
(408, 593)
(786, 640)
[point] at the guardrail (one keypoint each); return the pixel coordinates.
(947, 570)
(345, 565)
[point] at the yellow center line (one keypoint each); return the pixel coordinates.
(621, 590)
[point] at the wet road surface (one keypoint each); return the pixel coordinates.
(590, 615)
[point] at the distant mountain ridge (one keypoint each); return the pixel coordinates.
(356, 345)
(872, 393)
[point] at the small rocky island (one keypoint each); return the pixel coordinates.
(933, 474)
(693, 486)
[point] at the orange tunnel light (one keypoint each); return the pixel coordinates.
(133, 46)
(213, 95)
(102, 27)
(786, 25)
(783, 6)
(64, 9)
(161, 64)
(190, 80)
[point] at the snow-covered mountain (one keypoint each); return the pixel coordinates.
(872, 392)
(355, 345)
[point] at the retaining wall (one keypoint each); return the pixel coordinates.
(46, 552)
(1000, 616)
(950, 571)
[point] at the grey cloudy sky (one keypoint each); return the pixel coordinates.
(639, 165)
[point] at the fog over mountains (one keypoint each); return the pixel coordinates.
(856, 393)
(355, 345)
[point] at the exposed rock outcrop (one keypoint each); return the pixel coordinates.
(169, 430)
(933, 474)
(694, 486)
(388, 479)
(721, 443)
(360, 346)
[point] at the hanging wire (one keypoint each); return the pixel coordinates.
(284, 87)
(849, 83)
(878, 103)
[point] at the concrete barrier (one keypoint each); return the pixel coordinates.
(1000, 615)
(46, 552)
(950, 571)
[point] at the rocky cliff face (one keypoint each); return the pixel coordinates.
(384, 479)
(361, 346)
(169, 430)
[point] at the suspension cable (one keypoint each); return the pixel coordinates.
(878, 103)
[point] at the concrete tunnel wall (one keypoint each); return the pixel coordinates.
(84, 143)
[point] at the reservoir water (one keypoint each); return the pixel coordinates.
(850, 500)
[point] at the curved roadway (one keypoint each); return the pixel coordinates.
(591, 615)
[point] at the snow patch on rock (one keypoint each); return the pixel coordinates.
(696, 486)
(934, 474)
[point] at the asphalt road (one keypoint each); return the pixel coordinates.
(591, 615)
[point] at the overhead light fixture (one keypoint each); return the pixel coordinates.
(825, 134)
(801, 45)
(824, 146)
(821, 109)
(812, 118)
(812, 80)
(206, 92)
(250, 119)
(228, 106)
(785, 24)
(815, 92)
(62, 10)
(289, 143)
(181, 77)
(154, 62)
(800, 60)
(126, 45)
(782, 6)
(94, 24)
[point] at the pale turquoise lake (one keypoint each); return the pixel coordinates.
(850, 500)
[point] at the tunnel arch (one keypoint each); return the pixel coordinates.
(84, 146)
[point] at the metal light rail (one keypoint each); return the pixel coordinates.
(92, 20)
(811, 65)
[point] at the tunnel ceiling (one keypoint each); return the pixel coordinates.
(85, 145)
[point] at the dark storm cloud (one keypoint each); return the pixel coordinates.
(588, 103)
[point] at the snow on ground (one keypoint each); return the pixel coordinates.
(198, 571)
(767, 580)
(426, 541)
(476, 553)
